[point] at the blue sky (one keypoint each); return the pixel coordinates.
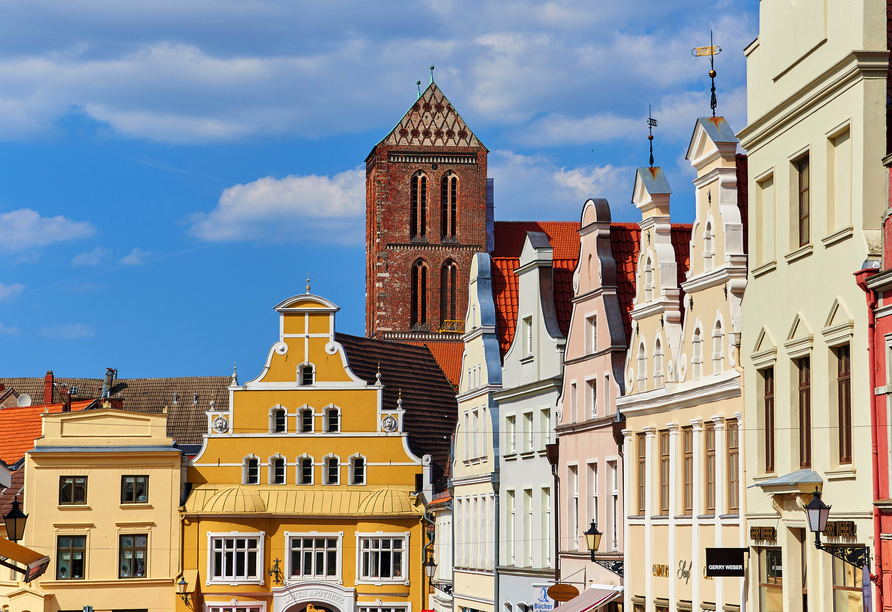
(170, 171)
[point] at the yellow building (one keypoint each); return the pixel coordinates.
(309, 490)
(102, 488)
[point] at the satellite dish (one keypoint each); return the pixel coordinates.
(23, 401)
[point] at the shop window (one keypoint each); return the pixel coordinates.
(771, 596)
(847, 593)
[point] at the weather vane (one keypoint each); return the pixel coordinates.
(651, 124)
(711, 51)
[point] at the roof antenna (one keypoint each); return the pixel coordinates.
(418, 83)
(711, 51)
(432, 73)
(651, 124)
(308, 282)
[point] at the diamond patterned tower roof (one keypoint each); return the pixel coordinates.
(432, 122)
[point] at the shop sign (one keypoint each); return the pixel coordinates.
(841, 529)
(544, 603)
(725, 562)
(661, 570)
(562, 592)
(763, 534)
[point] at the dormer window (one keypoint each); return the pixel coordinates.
(307, 375)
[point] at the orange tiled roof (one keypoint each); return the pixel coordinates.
(448, 356)
(19, 427)
(7, 495)
(625, 242)
(563, 236)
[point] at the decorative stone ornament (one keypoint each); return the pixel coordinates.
(221, 425)
(388, 423)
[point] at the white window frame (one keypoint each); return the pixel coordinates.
(294, 535)
(511, 434)
(591, 397)
(272, 418)
(261, 540)
(326, 425)
(591, 485)
(573, 505)
(230, 605)
(615, 525)
(245, 468)
(545, 434)
(385, 607)
(365, 470)
(271, 470)
(300, 374)
(511, 535)
(591, 334)
(394, 535)
(607, 394)
(527, 336)
(529, 438)
(325, 479)
(300, 419)
(298, 467)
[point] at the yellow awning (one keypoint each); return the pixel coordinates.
(294, 499)
(34, 563)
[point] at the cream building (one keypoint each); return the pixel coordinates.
(475, 468)
(684, 402)
(815, 141)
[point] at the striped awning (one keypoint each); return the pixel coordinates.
(590, 599)
(34, 563)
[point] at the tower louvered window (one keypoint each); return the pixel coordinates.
(418, 219)
(448, 291)
(448, 205)
(419, 293)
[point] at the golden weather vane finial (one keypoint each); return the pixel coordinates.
(651, 124)
(711, 51)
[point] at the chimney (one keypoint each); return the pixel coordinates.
(110, 375)
(48, 387)
(66, 398)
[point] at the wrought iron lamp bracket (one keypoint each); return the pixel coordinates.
(857, 556)
(614, 566)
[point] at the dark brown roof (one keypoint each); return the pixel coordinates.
(186, 421)
(428, 396)
(7, 495)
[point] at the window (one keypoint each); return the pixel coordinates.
(664, 473)
(648, 281)
(305, 470)
(239, 608)
(332, 470)
(306, 375)
(839, 173)
(717, 353)
(591, 335)
(418, 219)
(771, 596)
(357, 470)
(71, 555)
(134, 489)
(277, 470)
(768, 408)
(804, 208)
(642, 368)
(448, 291)
(688, 437)
(132, 551)
(528, 432)
(613, 520)
(235, 557)
(606, 394)
(733, 468)
(658, 364)
(511, 434)
(546, 431)
(251, 470)
(805, 412)
(449, 204)
(707, 247)
(475, 429)
(278, 420)
(306, 420)
(546, 527)
(574, 505)
(333, 420)
(419, 294)
(593, 493)
(528, 527)
(511, 513)
(72, 490)
(847, 593)
(764, 220)
(573, 415)
(387, 609)
(844, 400)
(467, 435)
(381, 558)
(314, 557)
(527, 337)
(697, 353)
(642, 473)
(710, 468)
(591, 398)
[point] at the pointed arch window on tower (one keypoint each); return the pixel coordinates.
(419, 293)
(697, 358)
(418, 219)
(448, 205)
(717, 353)
(642, 368)
(648, 281)
(707, 247)
(658, 364)
(448, 292)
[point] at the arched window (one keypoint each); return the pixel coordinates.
(357, 470)
(251, 470)
(305, 470)
(448, 205)
(306, 420)
(642, 368)
(448, 288)
(648, 281)
(307, 375)
(333, 419)
(717, 353)
(419, 205)
(277, 469)
(707, 247)
(277, 420)
(332, 470)
(697, 348)
(658, 364)
(419, 293)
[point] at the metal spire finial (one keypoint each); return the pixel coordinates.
(651, 124)
(418, 83)
(432, 73)
(711, 51)
(308, 282)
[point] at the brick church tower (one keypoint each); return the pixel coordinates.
(426, 215)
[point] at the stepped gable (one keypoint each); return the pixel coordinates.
(20, 426)
(186, 419)
(509, 237)
(448, 356)
(428, 396)
(431, 122)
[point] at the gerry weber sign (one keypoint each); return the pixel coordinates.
(725, 562)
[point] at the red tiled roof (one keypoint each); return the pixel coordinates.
(563, 236)
(7, 495)
(625, 243)
(681, 242)
(20, 426)
(448, 356)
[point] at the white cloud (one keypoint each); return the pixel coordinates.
(25, 229)
(137, 256)
(70, 331)
(90, 258)
(10, 291)
(8, 331)
(319, 208)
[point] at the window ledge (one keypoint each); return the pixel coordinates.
(527, 454)
(846, 472)
(74, 507)
(803, 251)
(764, 269)
(137, 506)
(838, 236)
(234, 582)
(528, 359)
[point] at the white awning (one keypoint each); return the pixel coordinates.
(590, 599)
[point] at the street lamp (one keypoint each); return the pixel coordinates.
(593, 543)
(430, 568)
(183, 593)
(818, 512)
(15, 521)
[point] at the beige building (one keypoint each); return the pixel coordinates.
(108, 485)
(815, 142)
(684, 403)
